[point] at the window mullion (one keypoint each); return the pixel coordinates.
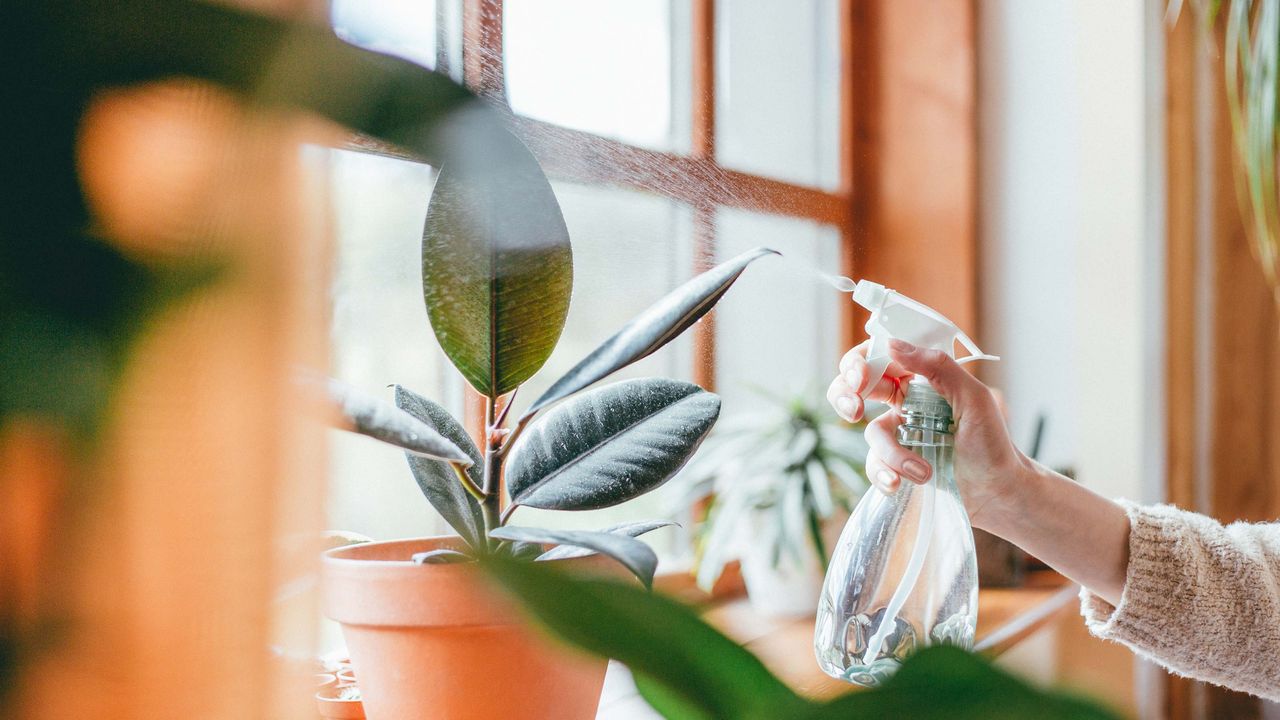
(703, 147)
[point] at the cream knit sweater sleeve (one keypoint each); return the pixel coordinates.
(1200, 599)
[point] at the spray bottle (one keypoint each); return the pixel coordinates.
(904, 574)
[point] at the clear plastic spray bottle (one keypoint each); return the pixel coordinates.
(904, 574)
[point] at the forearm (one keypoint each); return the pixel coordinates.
(1076, 531)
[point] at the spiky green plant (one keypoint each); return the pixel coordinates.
(793, 466)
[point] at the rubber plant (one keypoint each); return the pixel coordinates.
(497, 274)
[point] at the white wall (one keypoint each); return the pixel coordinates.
(1065, 218)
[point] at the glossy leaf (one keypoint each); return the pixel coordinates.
(436, 479)
(630, 529)
(522, 550)
(662, 641)
(633, 554)
(441, 556)
(380, 420)
(687, 669)
(497, 269)
(946, 682)
(610, 445)
(656, 326)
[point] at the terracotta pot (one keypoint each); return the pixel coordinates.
(440, 641)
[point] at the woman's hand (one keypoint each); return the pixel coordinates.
(987, 464)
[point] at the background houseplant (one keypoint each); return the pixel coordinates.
(777, 478)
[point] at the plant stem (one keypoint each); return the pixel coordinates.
(491, 505)
(467, 483)
(506, 408)
(510, 441)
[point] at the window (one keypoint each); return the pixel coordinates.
(670, 147)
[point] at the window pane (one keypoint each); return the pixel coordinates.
(381, 335)
(417, 30)
(602, 67)
(629, 249)
(777, 89)
(777, 329)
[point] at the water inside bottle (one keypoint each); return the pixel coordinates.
(856, 638)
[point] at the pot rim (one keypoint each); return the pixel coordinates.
(369, 584)
(340, 553)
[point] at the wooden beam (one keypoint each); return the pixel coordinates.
(482, 63)
(703, 62)
(856, 101)
(1182, 451)
(703, 147)
(484, 72)
(1223, 381)
(704, 332)
(581, 157)
(915, 156)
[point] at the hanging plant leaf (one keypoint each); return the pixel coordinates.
(436, 479)
(633, 554)
(631, 529)
(610, 445)
(380, 420)
(656, 326)
(497, 269)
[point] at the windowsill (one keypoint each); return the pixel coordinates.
(1006, 616)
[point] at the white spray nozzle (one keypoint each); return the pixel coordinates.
(896, 316)
(869, 295)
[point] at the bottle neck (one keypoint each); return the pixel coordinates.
(926, 417)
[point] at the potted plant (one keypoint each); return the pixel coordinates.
(426, 635)
(776, 486)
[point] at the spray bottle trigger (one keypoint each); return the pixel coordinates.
(975, 352)
(875, 370)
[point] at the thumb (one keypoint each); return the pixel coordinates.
(940, 369)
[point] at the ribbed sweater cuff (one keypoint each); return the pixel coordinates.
(1153, 586)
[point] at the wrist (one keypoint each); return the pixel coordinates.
(1013, 494)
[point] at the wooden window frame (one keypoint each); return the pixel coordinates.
(695, 179)
(905, 204)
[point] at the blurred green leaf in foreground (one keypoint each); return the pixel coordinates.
(688, 670)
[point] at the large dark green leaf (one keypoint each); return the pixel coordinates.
(380, 420)
(630, 529)
(436, 479)
(946, 682)
(660, 640)
(688, 670)
(656, 326)
(497, 270)
(609, 445)
(633, 554)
